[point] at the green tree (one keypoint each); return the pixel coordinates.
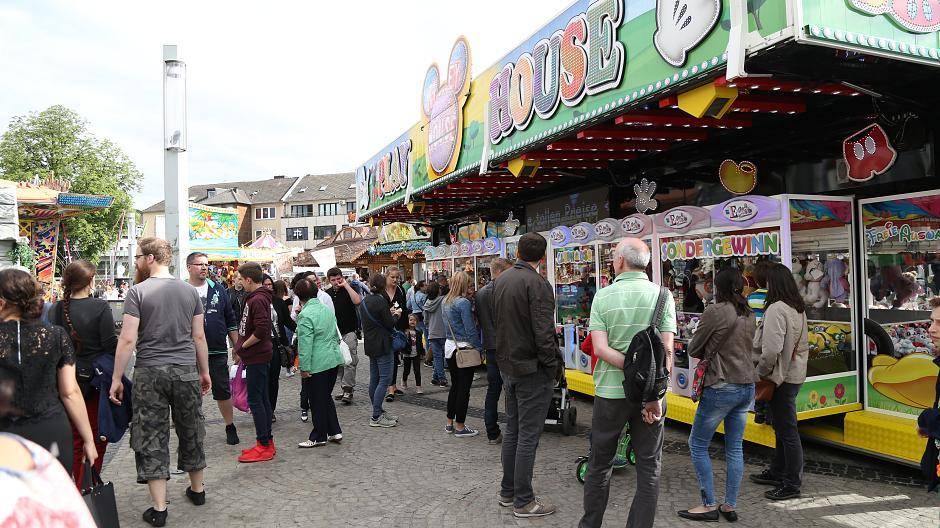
(57, 141)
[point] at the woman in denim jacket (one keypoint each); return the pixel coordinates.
(724, 336)
(461, 330)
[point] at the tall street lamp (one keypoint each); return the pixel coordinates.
(175, 177)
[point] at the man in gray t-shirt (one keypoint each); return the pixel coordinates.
(163, 319)
(165, 308)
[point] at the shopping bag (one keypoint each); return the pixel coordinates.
(239, 388)
(344, 350)
(99, 497)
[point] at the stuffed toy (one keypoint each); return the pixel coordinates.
(815, 294)
(797, 270)
(703, 285)
(836, 282)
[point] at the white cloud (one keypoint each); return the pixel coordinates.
(274, 88)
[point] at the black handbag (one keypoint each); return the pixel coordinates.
(99, 497)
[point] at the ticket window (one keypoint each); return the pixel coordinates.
(901, 241)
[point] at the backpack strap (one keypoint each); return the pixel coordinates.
(660, 308)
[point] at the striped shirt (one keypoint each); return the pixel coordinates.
(756, 301)
(623, 309)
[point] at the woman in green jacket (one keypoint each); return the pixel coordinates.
(319, 352)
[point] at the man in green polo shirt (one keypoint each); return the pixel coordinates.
(618, 313)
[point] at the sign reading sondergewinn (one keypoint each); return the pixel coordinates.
(749, 245)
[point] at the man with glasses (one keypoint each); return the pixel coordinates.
(220, 323)
(163, 320)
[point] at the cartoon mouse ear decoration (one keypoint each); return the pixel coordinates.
(442, 104)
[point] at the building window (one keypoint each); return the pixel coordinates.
(320, 232)
(210, 193)
(264, 213)
(258, 234)
(350, 207)
(327, 209)
(301, 210)
(296, 233)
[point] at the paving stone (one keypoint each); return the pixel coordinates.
(415, 475)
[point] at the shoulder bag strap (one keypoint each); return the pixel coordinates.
(796, 344)
(660, 307)
(447, 320)
(365, 308)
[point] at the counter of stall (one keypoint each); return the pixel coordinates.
(865, 270)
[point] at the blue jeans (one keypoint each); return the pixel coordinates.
(729, 403)
(493, 390)
(437, 348)
(380, 375)
(259, 400)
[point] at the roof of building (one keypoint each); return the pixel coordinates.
(351, 243)
(228, 196)
(319, 187)
(255, 192)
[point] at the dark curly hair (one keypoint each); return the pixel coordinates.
(22, 292)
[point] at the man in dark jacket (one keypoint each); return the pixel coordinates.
(254, 348)
(486, 313)
(531, 363)
(220, 324)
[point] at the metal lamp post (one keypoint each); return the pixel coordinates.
(175, 177)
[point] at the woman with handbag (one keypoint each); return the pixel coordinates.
(462, 351)
(378, 322)
(46, 397)
(396, 299)
(724, 385)
(319, 351)
(90, 326)
(782, 349)
(282, 356)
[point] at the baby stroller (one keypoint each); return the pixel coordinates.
(625, 455)
(561, 412)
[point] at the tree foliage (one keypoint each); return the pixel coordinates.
(57, 141)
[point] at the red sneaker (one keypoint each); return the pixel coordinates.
(252, 448)
(272, 446)
(259, 454)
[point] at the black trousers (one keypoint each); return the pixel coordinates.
(395, 360)
(788, 455)
(320, 387)
(409, 363)
(274, 379)
(459, 397)
(53, 433)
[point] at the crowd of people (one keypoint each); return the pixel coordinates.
(63, 389)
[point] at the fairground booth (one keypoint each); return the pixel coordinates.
(722, 133)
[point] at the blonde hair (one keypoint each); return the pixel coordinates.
(160, 249)
(459, 287)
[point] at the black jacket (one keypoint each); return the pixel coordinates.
(525, 335)
(486, 313)
(400, 298)
(377, 338)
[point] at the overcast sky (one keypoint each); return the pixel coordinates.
(274, 87)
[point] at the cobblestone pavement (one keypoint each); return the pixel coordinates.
(415, 475)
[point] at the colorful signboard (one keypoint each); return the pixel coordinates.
(749, 245)
(401, 232)
(442, 104)
(902, 29)
(212, 228)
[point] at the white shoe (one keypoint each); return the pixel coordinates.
(337, 438)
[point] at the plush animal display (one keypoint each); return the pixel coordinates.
(797, 270)
(704, 287)
(836, 281)
(815, 294)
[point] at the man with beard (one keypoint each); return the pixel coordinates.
(345, 300)
(163, 320)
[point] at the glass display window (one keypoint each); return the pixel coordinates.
(575, 282)
(439, 267)
(483, 273)
(901, 240)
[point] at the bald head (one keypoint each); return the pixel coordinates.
(631, 254)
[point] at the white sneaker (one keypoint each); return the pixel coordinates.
(337, 438)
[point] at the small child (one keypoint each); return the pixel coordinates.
(757, 301)
(413, 354)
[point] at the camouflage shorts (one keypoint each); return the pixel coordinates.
(157, 391)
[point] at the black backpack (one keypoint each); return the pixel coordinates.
(645, 377)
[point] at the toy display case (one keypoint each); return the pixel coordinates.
(810, 234)
(901, 240)
(438, 261)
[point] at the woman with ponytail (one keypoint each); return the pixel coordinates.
(90, 326)
(46, 395)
